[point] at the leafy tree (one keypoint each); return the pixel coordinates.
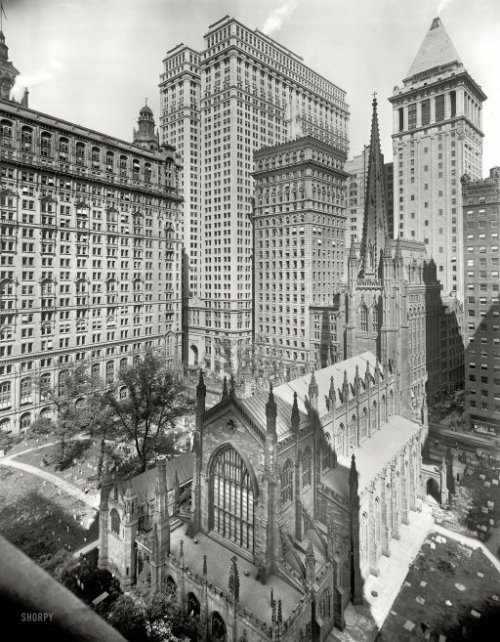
(155, 399)
(129, 618)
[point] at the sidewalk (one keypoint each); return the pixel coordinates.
(85, 549)
(91, 500)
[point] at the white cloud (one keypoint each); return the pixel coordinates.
(442, 6)
(277, 16)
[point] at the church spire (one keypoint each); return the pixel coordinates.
(375, 215)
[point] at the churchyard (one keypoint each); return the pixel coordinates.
(451, 593)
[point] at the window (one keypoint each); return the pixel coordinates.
(232, 495)
(115, 521)
(5, 389)
(440, 107)
(26, 387)
(375, 319)
(325, 605)
(25, 421)
(286, 479)
(363, 318)
(306, 467)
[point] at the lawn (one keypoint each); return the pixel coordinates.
(450, 593)
(41, 520)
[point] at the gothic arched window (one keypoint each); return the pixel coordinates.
(306, 467)
(325, 605)
(115, 521)
(327, 452)
(286, 479)
(363, 424)
(232, 495)
(375, 318)
(363, 318)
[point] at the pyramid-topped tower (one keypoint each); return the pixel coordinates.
(437, 137)
(436, 51)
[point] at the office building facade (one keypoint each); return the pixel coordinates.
(481, 205)
(299, 249)
(90, 254)
(249, 88)
(437, 138)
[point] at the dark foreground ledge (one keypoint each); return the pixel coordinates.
(33, 605)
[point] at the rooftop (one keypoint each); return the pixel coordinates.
(436, 50)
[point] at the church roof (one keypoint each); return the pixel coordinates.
(144, 484)
(283, 394)
(436, 50)
(372, 455)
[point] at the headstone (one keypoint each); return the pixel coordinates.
(475, 614)
(407, 584)
(479, 574)
(448, 603)
(420, 600)
(459, 586)
(423, 584)
(409, 625)
(433, 546)
(440, 539)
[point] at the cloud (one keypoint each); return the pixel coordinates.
(49, 72)
(277, 16)
(442, 6)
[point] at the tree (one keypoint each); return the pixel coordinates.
(129, 618)
(155, 398)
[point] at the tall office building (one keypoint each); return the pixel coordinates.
(437, 138)
(299, 235)
(90, 254)
(243, 88)
(482, 310)
(357, 167)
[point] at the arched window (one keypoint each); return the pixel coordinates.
(115, 521)
(5, 426)
(286, 479)
(136, 166)
(375, 422)
(123, 165)
(6, 133)
(375, 318)
(96, 157)
(25, 390)
(110, 161)
(95, 371)
(193, 605)
(353, 428)
(364, 537)
(147, 173)
(123, 392)
(110, 373)
(363, 421)
(6, 333)
(325, 605)
(218, 628)
(46, 144)
(63, 148)
(44, 385)
(232, 495)
(327, 452)
(363, 318)
(170, 586)
(123, 363)
(27, 139)
(342, 444)
(25, 421)
(62, 382)
(5, 392)
(80, 153)
(383, 409)
(306, 467)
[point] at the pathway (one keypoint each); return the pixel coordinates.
(91, 500)
(86, 549)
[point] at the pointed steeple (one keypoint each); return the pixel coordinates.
(271, 413)
(295, 418)
(375, 216)
(225, 392)
(436, 50)
(313, 386)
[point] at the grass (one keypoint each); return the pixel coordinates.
(442, 568)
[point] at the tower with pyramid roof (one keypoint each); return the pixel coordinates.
(389, 287)
(437, 137)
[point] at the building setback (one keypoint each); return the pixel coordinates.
(90, 253)
(481, 203)
(245, 86)
(299, 230)
(437, 136)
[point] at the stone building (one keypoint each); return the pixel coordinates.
(297, 492)
(90, 253)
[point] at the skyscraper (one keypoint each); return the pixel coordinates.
(482, 310)
(299, 232)
(89, 254)
(243, 88)
(437, 138)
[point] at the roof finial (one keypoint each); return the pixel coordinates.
(146, 102)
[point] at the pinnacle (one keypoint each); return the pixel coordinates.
(436, 50)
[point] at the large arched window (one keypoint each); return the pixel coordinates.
(218, 631)
(5, 391)
(232, 495)
(341, 441)
(25, 421)
(375, 318)
(363, 318)
(286, 479)
(327, 452)
(25, 390)
(325, 605)
(115, 521)
(306, 467)
(363, 424)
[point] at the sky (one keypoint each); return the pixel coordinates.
(94, 62)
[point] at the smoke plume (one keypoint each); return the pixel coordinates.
(277, 16)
